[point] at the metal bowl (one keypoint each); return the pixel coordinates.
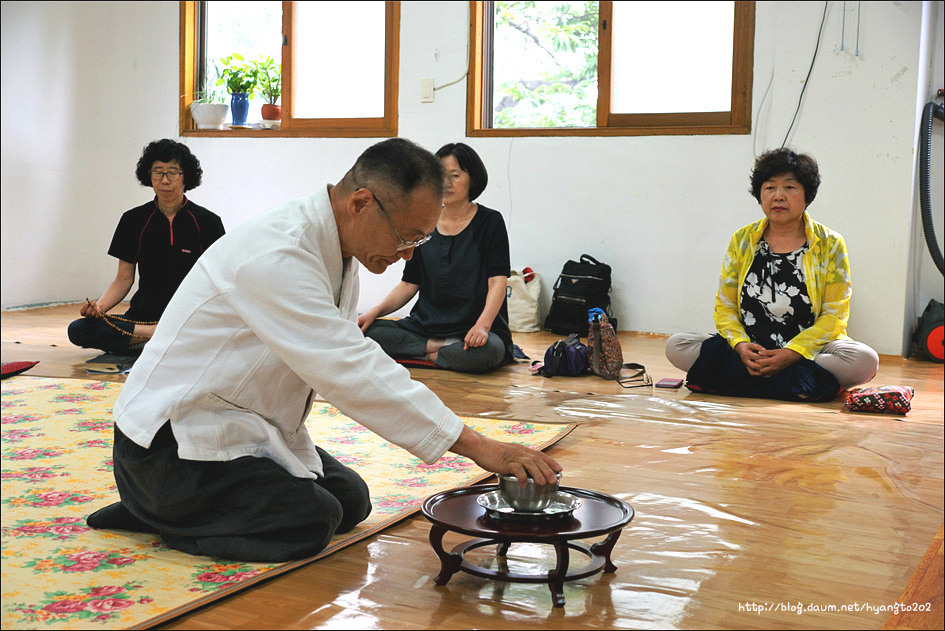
(560, 508)
(531, 498)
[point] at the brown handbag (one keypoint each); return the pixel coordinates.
(605, 357)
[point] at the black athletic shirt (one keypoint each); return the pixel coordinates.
(163, 251)
(453, 274)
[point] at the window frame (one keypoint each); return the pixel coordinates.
(735, 121)
(290, 126)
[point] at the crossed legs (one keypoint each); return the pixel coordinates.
(852, 363)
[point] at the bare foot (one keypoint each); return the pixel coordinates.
(433, 346)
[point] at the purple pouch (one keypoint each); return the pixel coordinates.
(567, 358)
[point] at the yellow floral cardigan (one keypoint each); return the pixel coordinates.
(826, 273)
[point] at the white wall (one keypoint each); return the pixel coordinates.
(660, 210)
(79, 102)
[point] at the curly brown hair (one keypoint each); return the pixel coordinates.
(778, 161)
(164, 151)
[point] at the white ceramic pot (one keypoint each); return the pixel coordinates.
(209, 115)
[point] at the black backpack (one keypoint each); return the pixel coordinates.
(582, 285)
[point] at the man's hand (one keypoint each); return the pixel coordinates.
(507, 458)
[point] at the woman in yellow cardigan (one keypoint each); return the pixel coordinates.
(784, 292)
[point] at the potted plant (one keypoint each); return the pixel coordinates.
(240, 81)
(269, 82)
(209, 109)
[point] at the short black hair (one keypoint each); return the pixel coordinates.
(164, 151)
(401, 165)
(778, 161)
(470, 162)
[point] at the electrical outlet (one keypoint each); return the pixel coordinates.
(426, 90)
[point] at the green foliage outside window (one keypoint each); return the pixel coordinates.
(545, 71)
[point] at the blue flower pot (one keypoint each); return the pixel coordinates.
(239, 105)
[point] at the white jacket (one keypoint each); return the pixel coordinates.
(266, 318)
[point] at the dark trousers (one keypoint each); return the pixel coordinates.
(248, 509)
(95, 333)
(400, 342)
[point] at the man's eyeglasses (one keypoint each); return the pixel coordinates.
(172, 176)
(404, 244)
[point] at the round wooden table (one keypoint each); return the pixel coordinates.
(458, 511)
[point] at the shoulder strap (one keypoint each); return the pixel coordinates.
(639, 379)
(555, 359)
(595, 340)
(640, 369)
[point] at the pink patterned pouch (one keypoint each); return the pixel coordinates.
(882, 399)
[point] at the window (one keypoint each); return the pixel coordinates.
(610, 68)
(332, 85)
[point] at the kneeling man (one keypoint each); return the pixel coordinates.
(211, 449)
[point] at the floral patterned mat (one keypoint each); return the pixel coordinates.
(59, 574)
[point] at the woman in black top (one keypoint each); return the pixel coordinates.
(460, 319)
(160, 241)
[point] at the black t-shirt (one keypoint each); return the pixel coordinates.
(164, 251)
(453, 274)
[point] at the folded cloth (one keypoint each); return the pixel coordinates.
(719, 370)
(883, 399)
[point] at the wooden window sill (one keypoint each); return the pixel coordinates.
(259, 132)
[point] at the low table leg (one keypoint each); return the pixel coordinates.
(557, 576)
(449, 563)
(604, 549)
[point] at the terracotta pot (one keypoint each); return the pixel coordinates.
(271, 112)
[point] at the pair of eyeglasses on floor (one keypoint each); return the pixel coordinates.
(404, 244)
(640, 379)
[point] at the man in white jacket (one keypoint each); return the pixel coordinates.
(211, 449)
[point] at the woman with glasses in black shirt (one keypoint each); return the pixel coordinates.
(159, 241)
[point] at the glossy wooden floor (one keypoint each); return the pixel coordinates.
(740, 505)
